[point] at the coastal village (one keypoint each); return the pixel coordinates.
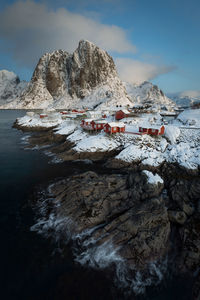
(115, 120)
(139, 134)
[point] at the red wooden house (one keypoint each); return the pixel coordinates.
(152, 130)
(43, 116)
(87, 124)
(120, 114)
(64, 112)
(99, 124)
(78, 111)
(114, 127)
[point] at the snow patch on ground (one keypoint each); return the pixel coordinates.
(172, 133)
(151, 178)
(190, 117)
(36, 121)
(96, 143)
(66, 127)
(184, 155)
(77, 135)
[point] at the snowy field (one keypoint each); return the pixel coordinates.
(180, 143)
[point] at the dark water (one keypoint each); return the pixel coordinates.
(28, 267)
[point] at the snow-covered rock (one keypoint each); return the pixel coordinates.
(190, 117)
(37, 122)
(66, 127)
(86, 78)
(148, 94)
(97, 143)
(151, 178)
(172, 133)
(10, 87)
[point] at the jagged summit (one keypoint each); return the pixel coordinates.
(87, 77)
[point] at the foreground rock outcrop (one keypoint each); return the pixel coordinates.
(124, 209)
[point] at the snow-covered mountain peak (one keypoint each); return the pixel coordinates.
(87, 77)
(10, 87)
(149, 94)
(8, 76)
(184, 100)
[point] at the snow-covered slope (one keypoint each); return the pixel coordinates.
(86, 78)
(147, 93)
(10, 87)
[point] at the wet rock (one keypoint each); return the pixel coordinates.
(190, 236)
(137, 223)
(178, 217)
(72, 154)
(196, 289)
(140, 188)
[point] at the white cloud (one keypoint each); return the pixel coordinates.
(135, 71)
(30, 29)
(190, 93)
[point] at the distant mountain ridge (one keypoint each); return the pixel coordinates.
(185, 100)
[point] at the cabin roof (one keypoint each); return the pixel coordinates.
(94, 112)
(100, 121)
(158, 127)
(115, 124)
(125, 111)
(88, 120)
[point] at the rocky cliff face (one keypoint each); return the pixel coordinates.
(61, 79)
(10, 87)
(147, 93)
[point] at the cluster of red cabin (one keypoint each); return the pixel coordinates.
(96, 125)
(64, 112)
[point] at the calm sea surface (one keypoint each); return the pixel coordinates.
(28, 267)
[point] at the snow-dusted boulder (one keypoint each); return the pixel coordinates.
(172, 133)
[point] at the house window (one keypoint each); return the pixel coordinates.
(153, 130)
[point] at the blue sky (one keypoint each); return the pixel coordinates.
(149, 40)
